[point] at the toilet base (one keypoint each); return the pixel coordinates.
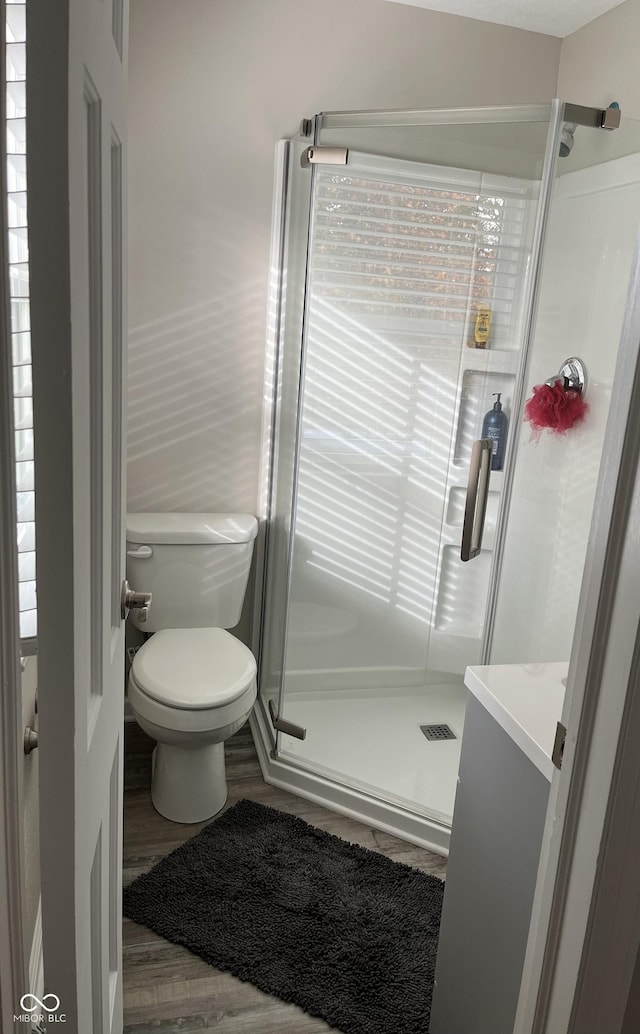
(188, 785)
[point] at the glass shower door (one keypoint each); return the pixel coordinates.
(424, 226)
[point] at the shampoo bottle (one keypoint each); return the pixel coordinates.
(494, 427)
(481, 329)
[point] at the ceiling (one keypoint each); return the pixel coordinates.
(554, 17)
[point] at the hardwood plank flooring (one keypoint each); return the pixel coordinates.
(166, 988)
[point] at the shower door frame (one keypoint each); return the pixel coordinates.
(281, 769)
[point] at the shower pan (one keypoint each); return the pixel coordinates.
(393, 232)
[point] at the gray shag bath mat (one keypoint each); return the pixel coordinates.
(343, 932)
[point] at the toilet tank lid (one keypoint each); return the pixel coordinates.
(181, 528)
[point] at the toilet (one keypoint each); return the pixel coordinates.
(192, 684)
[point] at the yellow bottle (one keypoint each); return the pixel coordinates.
(483, 324)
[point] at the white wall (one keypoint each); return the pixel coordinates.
(213, 85)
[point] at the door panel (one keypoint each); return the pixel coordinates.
(76, 117)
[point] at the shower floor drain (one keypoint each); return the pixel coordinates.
(438, 732)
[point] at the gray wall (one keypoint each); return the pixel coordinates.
(213, 85)
(599, 63)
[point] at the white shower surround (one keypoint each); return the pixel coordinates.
(592, 233)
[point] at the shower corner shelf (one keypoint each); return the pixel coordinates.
(493, 360)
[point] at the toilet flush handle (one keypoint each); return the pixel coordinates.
(135, 601)
(140, 553)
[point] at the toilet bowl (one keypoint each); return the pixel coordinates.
(190, 689)
(192, 684)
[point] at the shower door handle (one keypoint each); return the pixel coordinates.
(477, 494)
(282, 725)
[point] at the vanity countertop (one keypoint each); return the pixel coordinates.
(526, 700)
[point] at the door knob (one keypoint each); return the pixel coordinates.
(30, 740)
(135, 601)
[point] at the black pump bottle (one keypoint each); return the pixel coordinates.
(494, 426)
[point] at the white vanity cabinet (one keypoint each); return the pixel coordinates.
(498, 821)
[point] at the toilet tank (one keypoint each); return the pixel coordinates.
(196, 565)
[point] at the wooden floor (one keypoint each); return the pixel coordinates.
(166, 988)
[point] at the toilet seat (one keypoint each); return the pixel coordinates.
(192, 679)
(193, 668)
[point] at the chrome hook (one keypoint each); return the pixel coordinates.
(573, 374)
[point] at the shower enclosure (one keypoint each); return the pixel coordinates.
(395, 230)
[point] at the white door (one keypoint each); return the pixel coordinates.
(76, 125)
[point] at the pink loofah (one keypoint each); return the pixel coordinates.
(555, 408)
